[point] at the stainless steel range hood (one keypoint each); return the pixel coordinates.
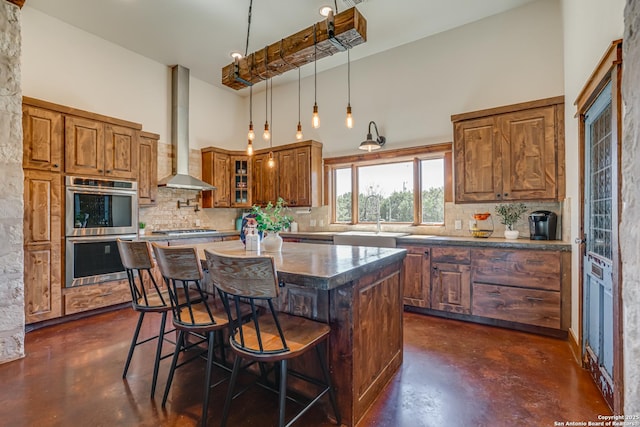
(180, 177)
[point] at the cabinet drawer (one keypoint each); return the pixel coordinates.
(533, 307)
(417, 250)
(83, 298)
(529, 269)
(451, 255)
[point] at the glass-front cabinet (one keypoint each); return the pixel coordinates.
(240, 182)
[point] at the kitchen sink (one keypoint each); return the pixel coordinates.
(367, 238)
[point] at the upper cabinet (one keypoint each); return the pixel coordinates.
(510, 153)
(296, 176)
(97, 148)
(148, 168)
(42, 135)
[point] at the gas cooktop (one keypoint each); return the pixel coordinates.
(186, 231)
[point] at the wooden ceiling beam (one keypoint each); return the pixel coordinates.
(296, 50)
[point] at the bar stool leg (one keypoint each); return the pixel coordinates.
(283, 391)
(207, 381)
(327, 379)
(156, 365)
(174, 361)
(134, 343)
(232, 383)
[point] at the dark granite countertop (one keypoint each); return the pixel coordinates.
(151, 237)
(323, 267)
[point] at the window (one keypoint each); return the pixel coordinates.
(398, 186)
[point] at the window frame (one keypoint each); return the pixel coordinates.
(412, 154)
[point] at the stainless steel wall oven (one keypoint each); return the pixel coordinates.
(98, 212)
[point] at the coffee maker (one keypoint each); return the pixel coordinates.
(542, 225)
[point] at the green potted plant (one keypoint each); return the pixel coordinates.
(141, 227)
(510, 214)
(271, 220)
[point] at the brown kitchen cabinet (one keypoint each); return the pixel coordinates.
(148, 168)
(43, 134)
(216, 169)
(85, 298)
(95, 148)
(263, 187)
(510, 153)
(416, 271)
(451, 280)
(43, 236)
(240, 181)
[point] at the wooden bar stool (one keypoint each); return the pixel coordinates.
(146, 297)
(205, 316)
(272, 337)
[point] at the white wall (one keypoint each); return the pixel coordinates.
(412, 91)
(589, 28)
(68, 66)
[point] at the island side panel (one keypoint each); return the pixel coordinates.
(366, 339)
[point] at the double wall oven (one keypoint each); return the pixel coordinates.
(98, 212)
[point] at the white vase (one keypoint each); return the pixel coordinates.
(141, 231)
(511, 234)
(272, 242)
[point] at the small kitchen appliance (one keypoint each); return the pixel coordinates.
(542, 225)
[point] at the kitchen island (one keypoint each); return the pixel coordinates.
(358, 291)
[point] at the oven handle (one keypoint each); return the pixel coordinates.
(102, 238)
(85, 190)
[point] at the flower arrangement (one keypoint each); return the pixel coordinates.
(510, 213)
(272, 218)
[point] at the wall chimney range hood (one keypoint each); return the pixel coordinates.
(180, 177)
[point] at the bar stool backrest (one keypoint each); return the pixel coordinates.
(181, 269)
(251, 279)
(138, 262)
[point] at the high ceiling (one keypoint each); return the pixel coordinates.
(200, 34)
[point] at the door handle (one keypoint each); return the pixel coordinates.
(580, 241)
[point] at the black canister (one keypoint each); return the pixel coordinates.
(542, 225)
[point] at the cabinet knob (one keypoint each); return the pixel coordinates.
(108, 171)
(498, 195)
(100, 170)
(506, 194)
(435, 268)
(55, 165)
(426, 252)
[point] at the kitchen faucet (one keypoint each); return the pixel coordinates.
(376, 201)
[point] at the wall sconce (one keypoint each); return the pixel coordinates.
(370, 144)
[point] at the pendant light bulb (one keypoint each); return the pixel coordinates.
(349, 120)
(299, 135)
(251, 135)
(249, 148)
(266, 135)
(315, 119)
(271, 162)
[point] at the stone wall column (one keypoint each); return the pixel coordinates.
(11, 187)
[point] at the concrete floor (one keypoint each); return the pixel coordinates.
(454, 374)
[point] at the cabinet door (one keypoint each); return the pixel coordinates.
(84, 146)
(221, 174)
(42, 245)
(417, 277)
(42, 139)
(478, 170)
(529, 161)
(294, 183)
(120, 152)
(264, 180)
(240, 181)
(147, 171)
(451, 287)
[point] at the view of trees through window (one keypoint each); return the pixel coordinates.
(387, 190)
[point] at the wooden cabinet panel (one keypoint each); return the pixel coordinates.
(477, 160)
(451, 287)
(120, 152)
(148, 169)
(522, 268)
(294, 179)
(529, 154)
(416, 270)
(42, 245)
(84, 298)
(510, 153)
(84, 146)
(216, 171)
(456, 255)
(42, 139)
(264, 180)
(529, 306)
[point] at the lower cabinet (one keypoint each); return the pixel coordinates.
(84, 298)
(525, 289)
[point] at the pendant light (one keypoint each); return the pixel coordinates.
(271, 161)
(266, 135)
(251, 135)
(299, 135)
(349, 119)
(315, 119)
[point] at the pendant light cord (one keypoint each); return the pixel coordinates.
(315, 69)
(298, 94)
(271, 114)
(246, 46)
(348, 77)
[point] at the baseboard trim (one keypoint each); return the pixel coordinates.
(574, 346)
